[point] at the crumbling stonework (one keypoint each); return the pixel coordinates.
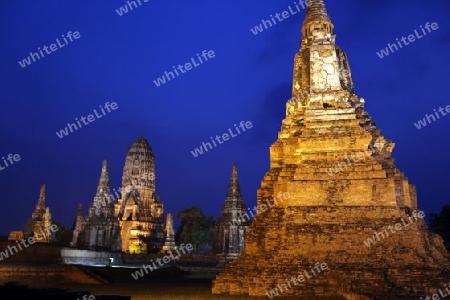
(231, 228)
(328, 218)
(133, 221)
(139, 209)
(42, 220)
(101, 230)
(78, 225)
(16, 236)
(169, 244)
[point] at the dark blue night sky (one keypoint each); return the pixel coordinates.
(117, 58)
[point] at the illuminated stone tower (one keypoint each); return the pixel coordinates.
(39, 211)
(232, 225)
(139, 209)
(42, 220)
(101, 227)
(344, 189)
(169, 244)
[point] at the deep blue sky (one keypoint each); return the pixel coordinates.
(118, 57)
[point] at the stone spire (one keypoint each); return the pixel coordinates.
(39, 212)
(103, 201)
(41, 219)
(234, 202)
(103, 183)
(80, 210)
(101, 228)
(78, 225)
(232, 225)
(169, 224)
(316, 11)
(320, 67)
(234, 188)
(317, 25)
(169, 244)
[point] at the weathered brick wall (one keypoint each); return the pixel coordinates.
(39, 274)
(37, 253)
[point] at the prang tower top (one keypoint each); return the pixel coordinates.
(320, 66)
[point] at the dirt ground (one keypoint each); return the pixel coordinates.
(169, 284)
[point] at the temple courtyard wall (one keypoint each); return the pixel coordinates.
(42, 263)
(90, 257)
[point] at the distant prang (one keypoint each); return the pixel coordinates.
(129, 219)
(231, 228)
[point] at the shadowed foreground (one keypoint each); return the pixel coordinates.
(168, 283)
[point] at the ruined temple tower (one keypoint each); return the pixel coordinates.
(101, 227)
(39, 211)
(78, 225)
(139, 209)
(133, 223)
(232, 225)
(330, 216)
(42, 220)
(169, 244)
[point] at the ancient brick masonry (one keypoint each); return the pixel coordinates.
(78, 225)
(232, 225)
(328, 218)
(132, 221)
(139, 209)
(101, 230)
(169, 244)
(42, 219)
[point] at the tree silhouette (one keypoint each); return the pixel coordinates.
(440, 224)
(62, 236)
(28, 228)
(195, 228)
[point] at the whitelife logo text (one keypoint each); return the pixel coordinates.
(225, 137)
(411, 38)
(90, 118)
(27, 61)
(187, 67)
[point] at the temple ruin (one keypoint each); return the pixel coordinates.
(231, 228)
(330, 217)
(41, 220)
(130, 221)
(101, 230)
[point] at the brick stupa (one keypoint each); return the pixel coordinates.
(343, 187)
